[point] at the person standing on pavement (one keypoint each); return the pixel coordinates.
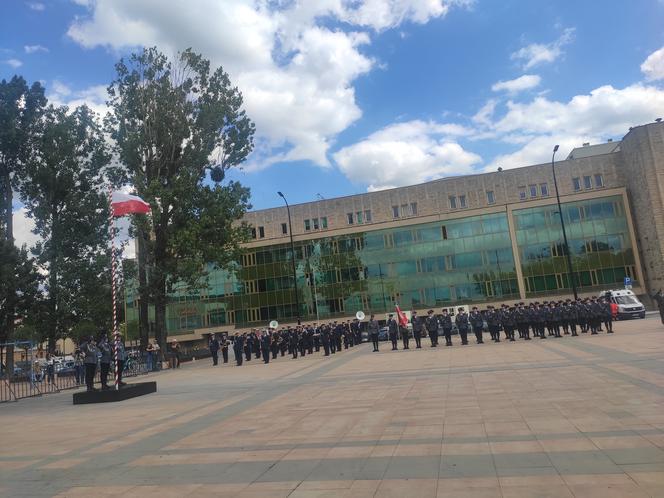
(104, 361)
(214, 345)
(393, 331)
(418, 326)
(462, 322)
(431, 325)
(374, 330)
(90, 351)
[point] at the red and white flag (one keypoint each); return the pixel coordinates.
(403, 319)
(123, 204)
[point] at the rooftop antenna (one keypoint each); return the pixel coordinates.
(320, 197)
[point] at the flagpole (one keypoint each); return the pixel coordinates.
(116, 338)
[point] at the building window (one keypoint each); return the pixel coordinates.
(349, 216)
(544, 189)
(359, 216)
(323, 222)
(253, 233)
(587, 182)
(462, 201)
(367, 216)
(443, 230)
(599, 181)
(395, 211)
(453, 203)
(413, 208)
(284, 228)
(533, 190)
(576, 182)
(314, 222)
(522, 193)
(490, 198)
(307, 225)
(405, 210)
(261, 232)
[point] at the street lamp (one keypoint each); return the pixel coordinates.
(570, 270)
(292, 246)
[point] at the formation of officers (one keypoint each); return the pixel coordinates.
(294, 341)
(541, 320)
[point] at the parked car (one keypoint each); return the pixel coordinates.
(383, 334)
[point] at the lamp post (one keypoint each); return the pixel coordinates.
(292, 246)
(570, 270)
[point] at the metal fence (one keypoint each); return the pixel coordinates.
(34, 375)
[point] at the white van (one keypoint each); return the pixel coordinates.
(629, 305)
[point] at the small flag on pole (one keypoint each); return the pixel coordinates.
(123, 204)
(403, 319)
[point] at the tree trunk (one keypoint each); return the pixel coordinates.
(143, 315)
(159, 287)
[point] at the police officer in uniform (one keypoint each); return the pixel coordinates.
(374, 329)
(418, 325)
(493, 323)
(462, 322)
(477, 322)
(446, 325)
(431, 325)
(393, 331)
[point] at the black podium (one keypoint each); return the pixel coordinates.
(111, 395)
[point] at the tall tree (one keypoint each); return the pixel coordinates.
(20, 108)
(179, 126)
(64, 192)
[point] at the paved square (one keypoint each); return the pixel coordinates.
(565, 417)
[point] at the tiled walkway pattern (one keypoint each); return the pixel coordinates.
(564, 417)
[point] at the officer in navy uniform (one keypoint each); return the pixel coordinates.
(477, 322)
(608, 316)
(418, 325)
(266, 341)
(405, 335)
(462, 322)
(393, 331)
(373, 328)
(325, 339)
(540, 320)
(509, 323)
(521, 317)
(572, 317)
(493, 323)
(431, 324)
(446, 325)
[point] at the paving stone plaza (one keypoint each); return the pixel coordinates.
(566, 417)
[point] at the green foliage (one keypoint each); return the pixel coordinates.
(20, 109)
(63, 190)
(19, 285)
(179, 126)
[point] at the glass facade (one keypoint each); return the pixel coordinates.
(599, 240)
(436, 264)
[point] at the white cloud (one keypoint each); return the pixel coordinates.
(538, 53)
(404, 154)
(15, 63)
(486, 112)
(31, 49)
(653, 66)
(525, 82)
(605, 112)
(37, 6)
(296, 72)
(94, 97)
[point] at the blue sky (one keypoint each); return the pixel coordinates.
(350, 96)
